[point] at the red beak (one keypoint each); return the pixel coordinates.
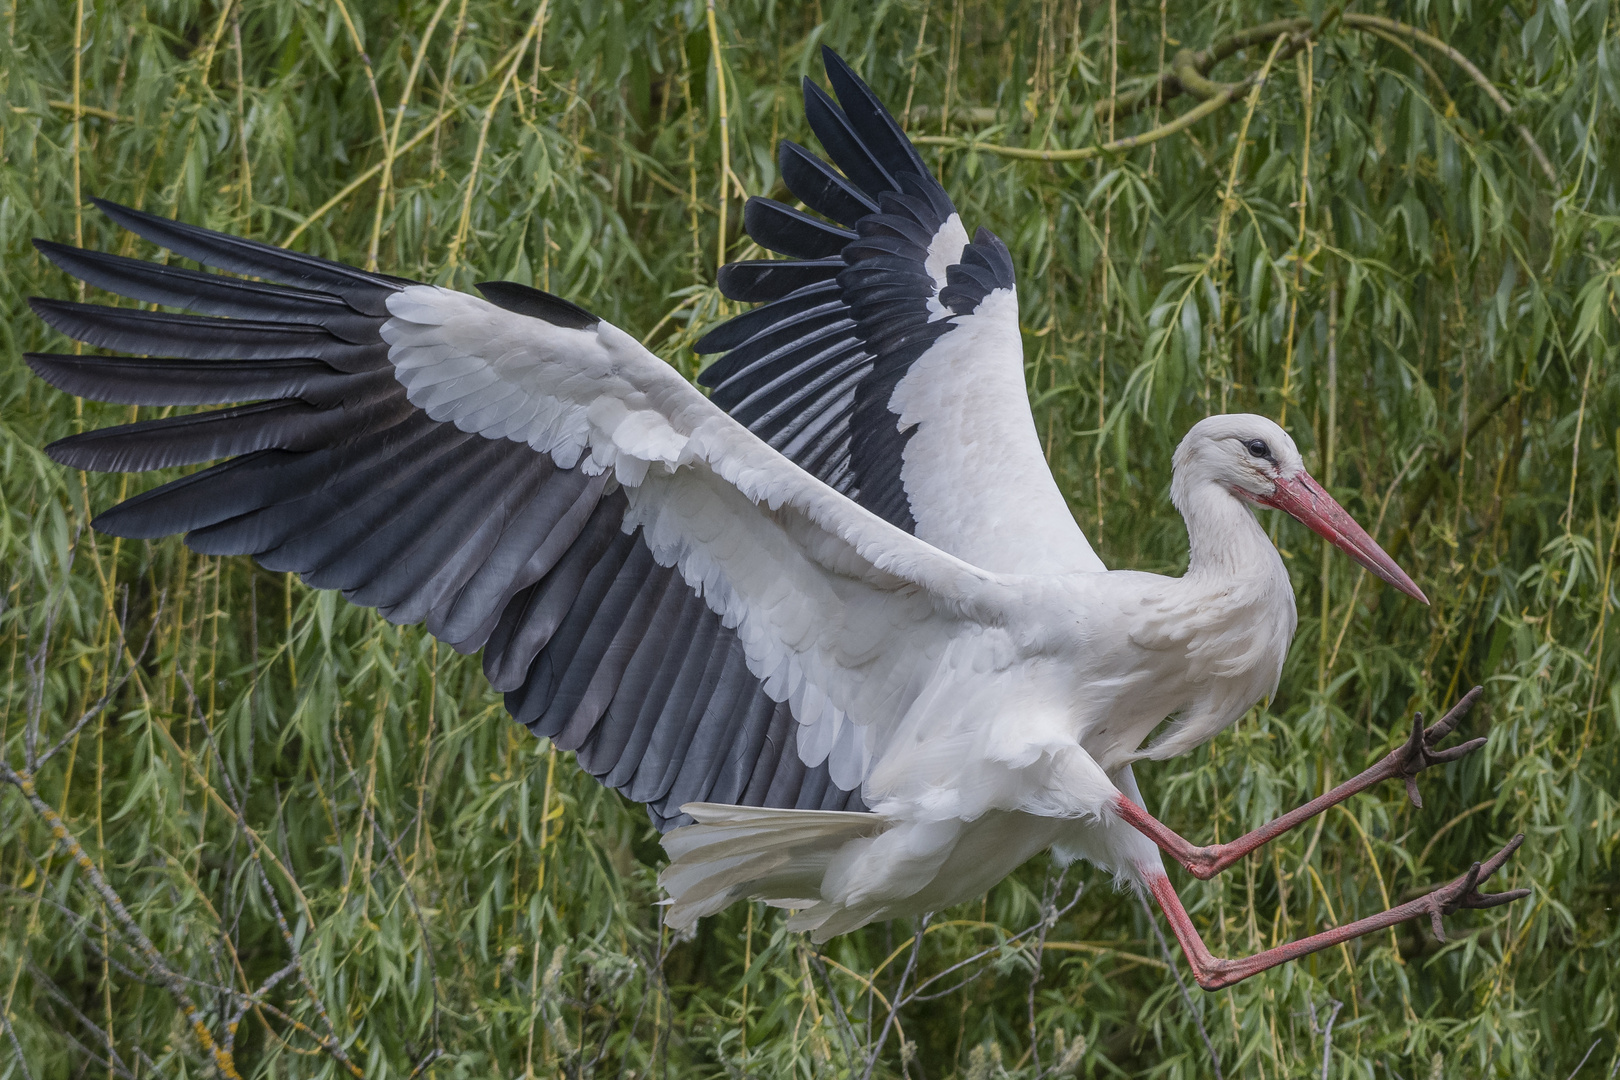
(1303, 498)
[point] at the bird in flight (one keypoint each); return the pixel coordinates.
(833, 622)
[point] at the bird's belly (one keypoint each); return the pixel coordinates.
(1202, 691)
(1115, 719)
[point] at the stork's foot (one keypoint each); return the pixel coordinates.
(1214, 973)
(1464, 892)
(1422, 749)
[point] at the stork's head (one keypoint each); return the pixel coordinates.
(1254, 460)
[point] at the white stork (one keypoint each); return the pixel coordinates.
(834, 624)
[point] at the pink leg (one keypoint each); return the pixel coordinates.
(1214, 973)
(1407, 761)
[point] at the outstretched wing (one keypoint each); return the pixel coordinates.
(528, 480)
(887, 357)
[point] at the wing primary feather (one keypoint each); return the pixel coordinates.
(810, 302)
(819, 187)
(381, 522)
(323, 485)
(125, 380)
(843, 144)
(790, 232)
(203, 498)
(210, 294)
(870, 120)
(797, 355)
(757, 280)
(537, 304)
(201, 337)
(196, 437)
(366, 292)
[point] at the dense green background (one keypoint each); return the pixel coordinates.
(1433, 318)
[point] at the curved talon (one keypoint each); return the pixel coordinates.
(1464, 892)
(1420, 751)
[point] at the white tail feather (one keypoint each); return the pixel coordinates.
(779, 856)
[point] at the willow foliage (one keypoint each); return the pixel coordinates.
(277, 836)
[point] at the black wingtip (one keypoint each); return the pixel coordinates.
(126, 216)
(62, 256)
(52, 312)
(835, 65)
(537, 304)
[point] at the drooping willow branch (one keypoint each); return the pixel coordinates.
(1189, 74)
(1216, 95)
(1378, 22)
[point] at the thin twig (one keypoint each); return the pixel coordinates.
(847, 1029)
(1326, 1031)
(899, 992)
(113, 1060)
(917, 993)
(1584, 1056)
(218, 1056)
(1170, 960)
(1049, 918)
(22, 1061)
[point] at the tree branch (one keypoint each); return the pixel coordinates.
(1189, 72)
(218, 1055)
(1378, 22)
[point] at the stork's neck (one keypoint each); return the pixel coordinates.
(1226, 541)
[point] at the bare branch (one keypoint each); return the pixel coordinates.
(1170, 962)
(1326, 1031)
(899, 993)
(1188, 74)
(16, 1046)
(218, 1056)
(113, 1060)
(1369, 22)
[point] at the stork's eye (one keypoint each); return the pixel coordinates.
(1258, 448)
